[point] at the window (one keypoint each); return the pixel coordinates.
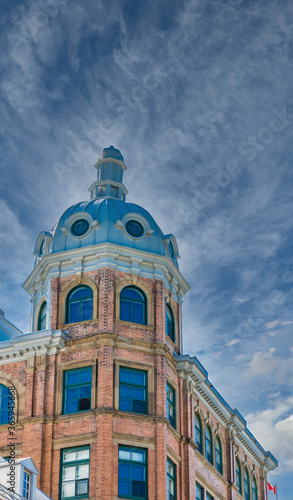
(132, 390)
(246, 485)
(4, 404)
(254, 489)
(77, 390)
(171, 480)
(42, 317)
(132, 472)
(75, 472)
(133, 305)
(80, 304)
(198, 432)
(218, 457)
(114, 191)
(170, 325)
(209, 444)
(238, 477)
(171, 408)
(209, 497)
(26, 485)
(198, 492)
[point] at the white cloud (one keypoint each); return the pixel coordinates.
(274, 429)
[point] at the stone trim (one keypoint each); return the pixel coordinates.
(73, 441)
(137, 441)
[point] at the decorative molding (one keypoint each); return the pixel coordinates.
(24, 346)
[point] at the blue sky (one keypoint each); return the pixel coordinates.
(197, 96)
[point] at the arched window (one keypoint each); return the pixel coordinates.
(209, 444)
(218, 456)
(4, 403)
(170, 324)
(42, 317)
(198, 432)
(133, 305)
(246, 485)
(79, 304)
(254, 489)
(238, 476)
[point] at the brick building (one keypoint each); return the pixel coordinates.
(107, 405)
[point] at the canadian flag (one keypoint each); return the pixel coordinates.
(272, 488)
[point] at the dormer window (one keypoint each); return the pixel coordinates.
(26, 485)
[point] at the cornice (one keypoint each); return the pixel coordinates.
(191, 369)
(114, 256)
(25, 346)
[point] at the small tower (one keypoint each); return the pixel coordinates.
(110, 168)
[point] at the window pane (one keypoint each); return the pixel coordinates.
(125, 311)
(71, 394)
(138, 316)
(81, 293)
(125, 391)
(82, 487)
(85, 375)
(69, 456)
(71, 378)
(84, 404)
(125, 375)
(125, 405)
(83, 454)
(124, 454)
(70, 407)
(74, 312)
(131, 293)
(124, 487)
(124, 471)
(69, 473)
(139, 406)
(138, 472)
(87, 310)
(138, 394)
(68, 489)
(139, 377)
(138, 489)
(138, 456)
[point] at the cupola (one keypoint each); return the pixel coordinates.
(110, 167)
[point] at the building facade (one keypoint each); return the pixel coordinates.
(106, 404)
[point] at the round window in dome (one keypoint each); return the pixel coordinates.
(134, 228)
(80, 227)
(171, 250)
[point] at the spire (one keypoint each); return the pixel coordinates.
(110, 167)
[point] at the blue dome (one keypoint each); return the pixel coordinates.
(111, 220)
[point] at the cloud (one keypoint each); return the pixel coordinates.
(274, 429)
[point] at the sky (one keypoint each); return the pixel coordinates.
(197, 95)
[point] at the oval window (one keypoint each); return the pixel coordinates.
(134, 228)
(80, 227)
